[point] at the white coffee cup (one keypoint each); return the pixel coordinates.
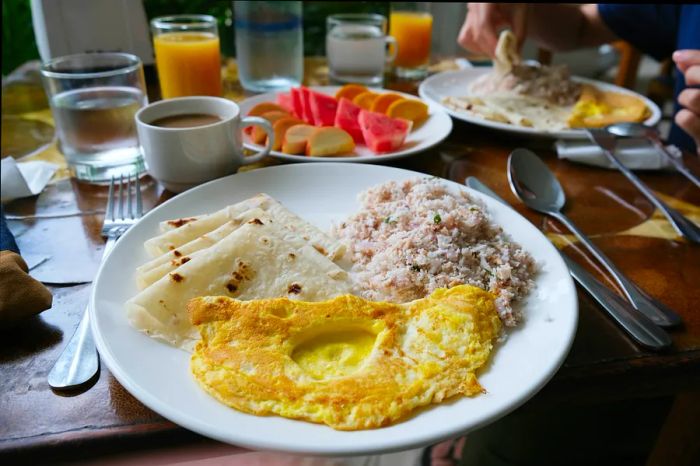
(181, 158)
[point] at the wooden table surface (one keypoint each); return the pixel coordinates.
(604, 364)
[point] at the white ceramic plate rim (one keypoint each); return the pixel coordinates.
(432, 132)
(142, 364)
(442, 85)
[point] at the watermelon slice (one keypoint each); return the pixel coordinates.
(346, 118)
(284, 100)
(323, 108)
(382, 133)
(297, 103)
(306, 105)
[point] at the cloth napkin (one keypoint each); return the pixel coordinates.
(24, 179)
(20, 295)
(634, 153)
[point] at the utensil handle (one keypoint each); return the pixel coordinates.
(637, 325)
(682, 225)
(79, 361)
(676, 163)
(653, 309)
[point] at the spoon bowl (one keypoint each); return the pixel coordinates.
(632, 130)
(534, 182)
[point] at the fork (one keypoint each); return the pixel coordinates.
(79, 361)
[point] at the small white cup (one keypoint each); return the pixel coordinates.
(181, 158)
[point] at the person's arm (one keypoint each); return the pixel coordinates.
(556, 27)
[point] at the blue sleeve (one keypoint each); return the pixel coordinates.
(651, 28)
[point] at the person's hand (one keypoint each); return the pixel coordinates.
(688, 118)
(484, 22)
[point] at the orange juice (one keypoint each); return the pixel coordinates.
(412, 31)
(188, 63)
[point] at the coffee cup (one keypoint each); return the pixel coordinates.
(187, 141)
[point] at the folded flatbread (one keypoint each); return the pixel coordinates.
(193, 229)
(260, 259)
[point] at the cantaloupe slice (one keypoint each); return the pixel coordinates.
(259, 135)
(281, 126)
(295, 139)
(329, 141)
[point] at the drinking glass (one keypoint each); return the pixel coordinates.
(187, 55)
(269, 45)
(411, 24)
(356, 47)
(93, 98)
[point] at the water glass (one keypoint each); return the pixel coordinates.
(356, 47)
(269, 45)
(94, 98)
(187, 55)
(411, 24)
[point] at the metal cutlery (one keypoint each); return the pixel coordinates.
(682, 225)
(79, 361)
(631, 130)
(637, 325)
(534, 184)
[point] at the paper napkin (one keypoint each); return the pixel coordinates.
(634, 153)
(24, 179)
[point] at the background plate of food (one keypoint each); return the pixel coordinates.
(534, 100)
(340, 374)
(351, 123)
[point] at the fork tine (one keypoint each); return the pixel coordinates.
(109, 210)
(139, 206)
(128, 196)
(121, 196)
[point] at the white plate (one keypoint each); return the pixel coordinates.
(158, 375)
(455, 84)
(431, 132)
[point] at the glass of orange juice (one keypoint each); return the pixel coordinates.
(411, 24)
(187, 55)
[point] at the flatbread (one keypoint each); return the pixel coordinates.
(174, 238)
(152, 271)
(260, 259)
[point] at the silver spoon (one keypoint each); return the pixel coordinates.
(638, 326)
(682, 225)
(535, 185)
(638, 130)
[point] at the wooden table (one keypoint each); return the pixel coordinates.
(36, 422)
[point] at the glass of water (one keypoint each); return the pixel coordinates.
(94, 98)
(357, 48)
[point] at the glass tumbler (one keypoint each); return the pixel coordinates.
(187, 55)
(356, 47)
(411, 24)
(93, 99)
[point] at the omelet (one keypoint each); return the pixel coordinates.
(346, 362)
(596, 109)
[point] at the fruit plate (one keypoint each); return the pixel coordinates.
(454, 84)
(158, 375)
(431, 132)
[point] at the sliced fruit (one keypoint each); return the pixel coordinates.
(281, 126)
(365, 100)
(408, 109)
(259, 135)
(346, 119)
(329, 141)
(323, 108)
(382, 102)
(297, 102)
(382, 133)
(259, 109)
(350, 91)
(295, 139)
(306, 105)
(284, 100)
